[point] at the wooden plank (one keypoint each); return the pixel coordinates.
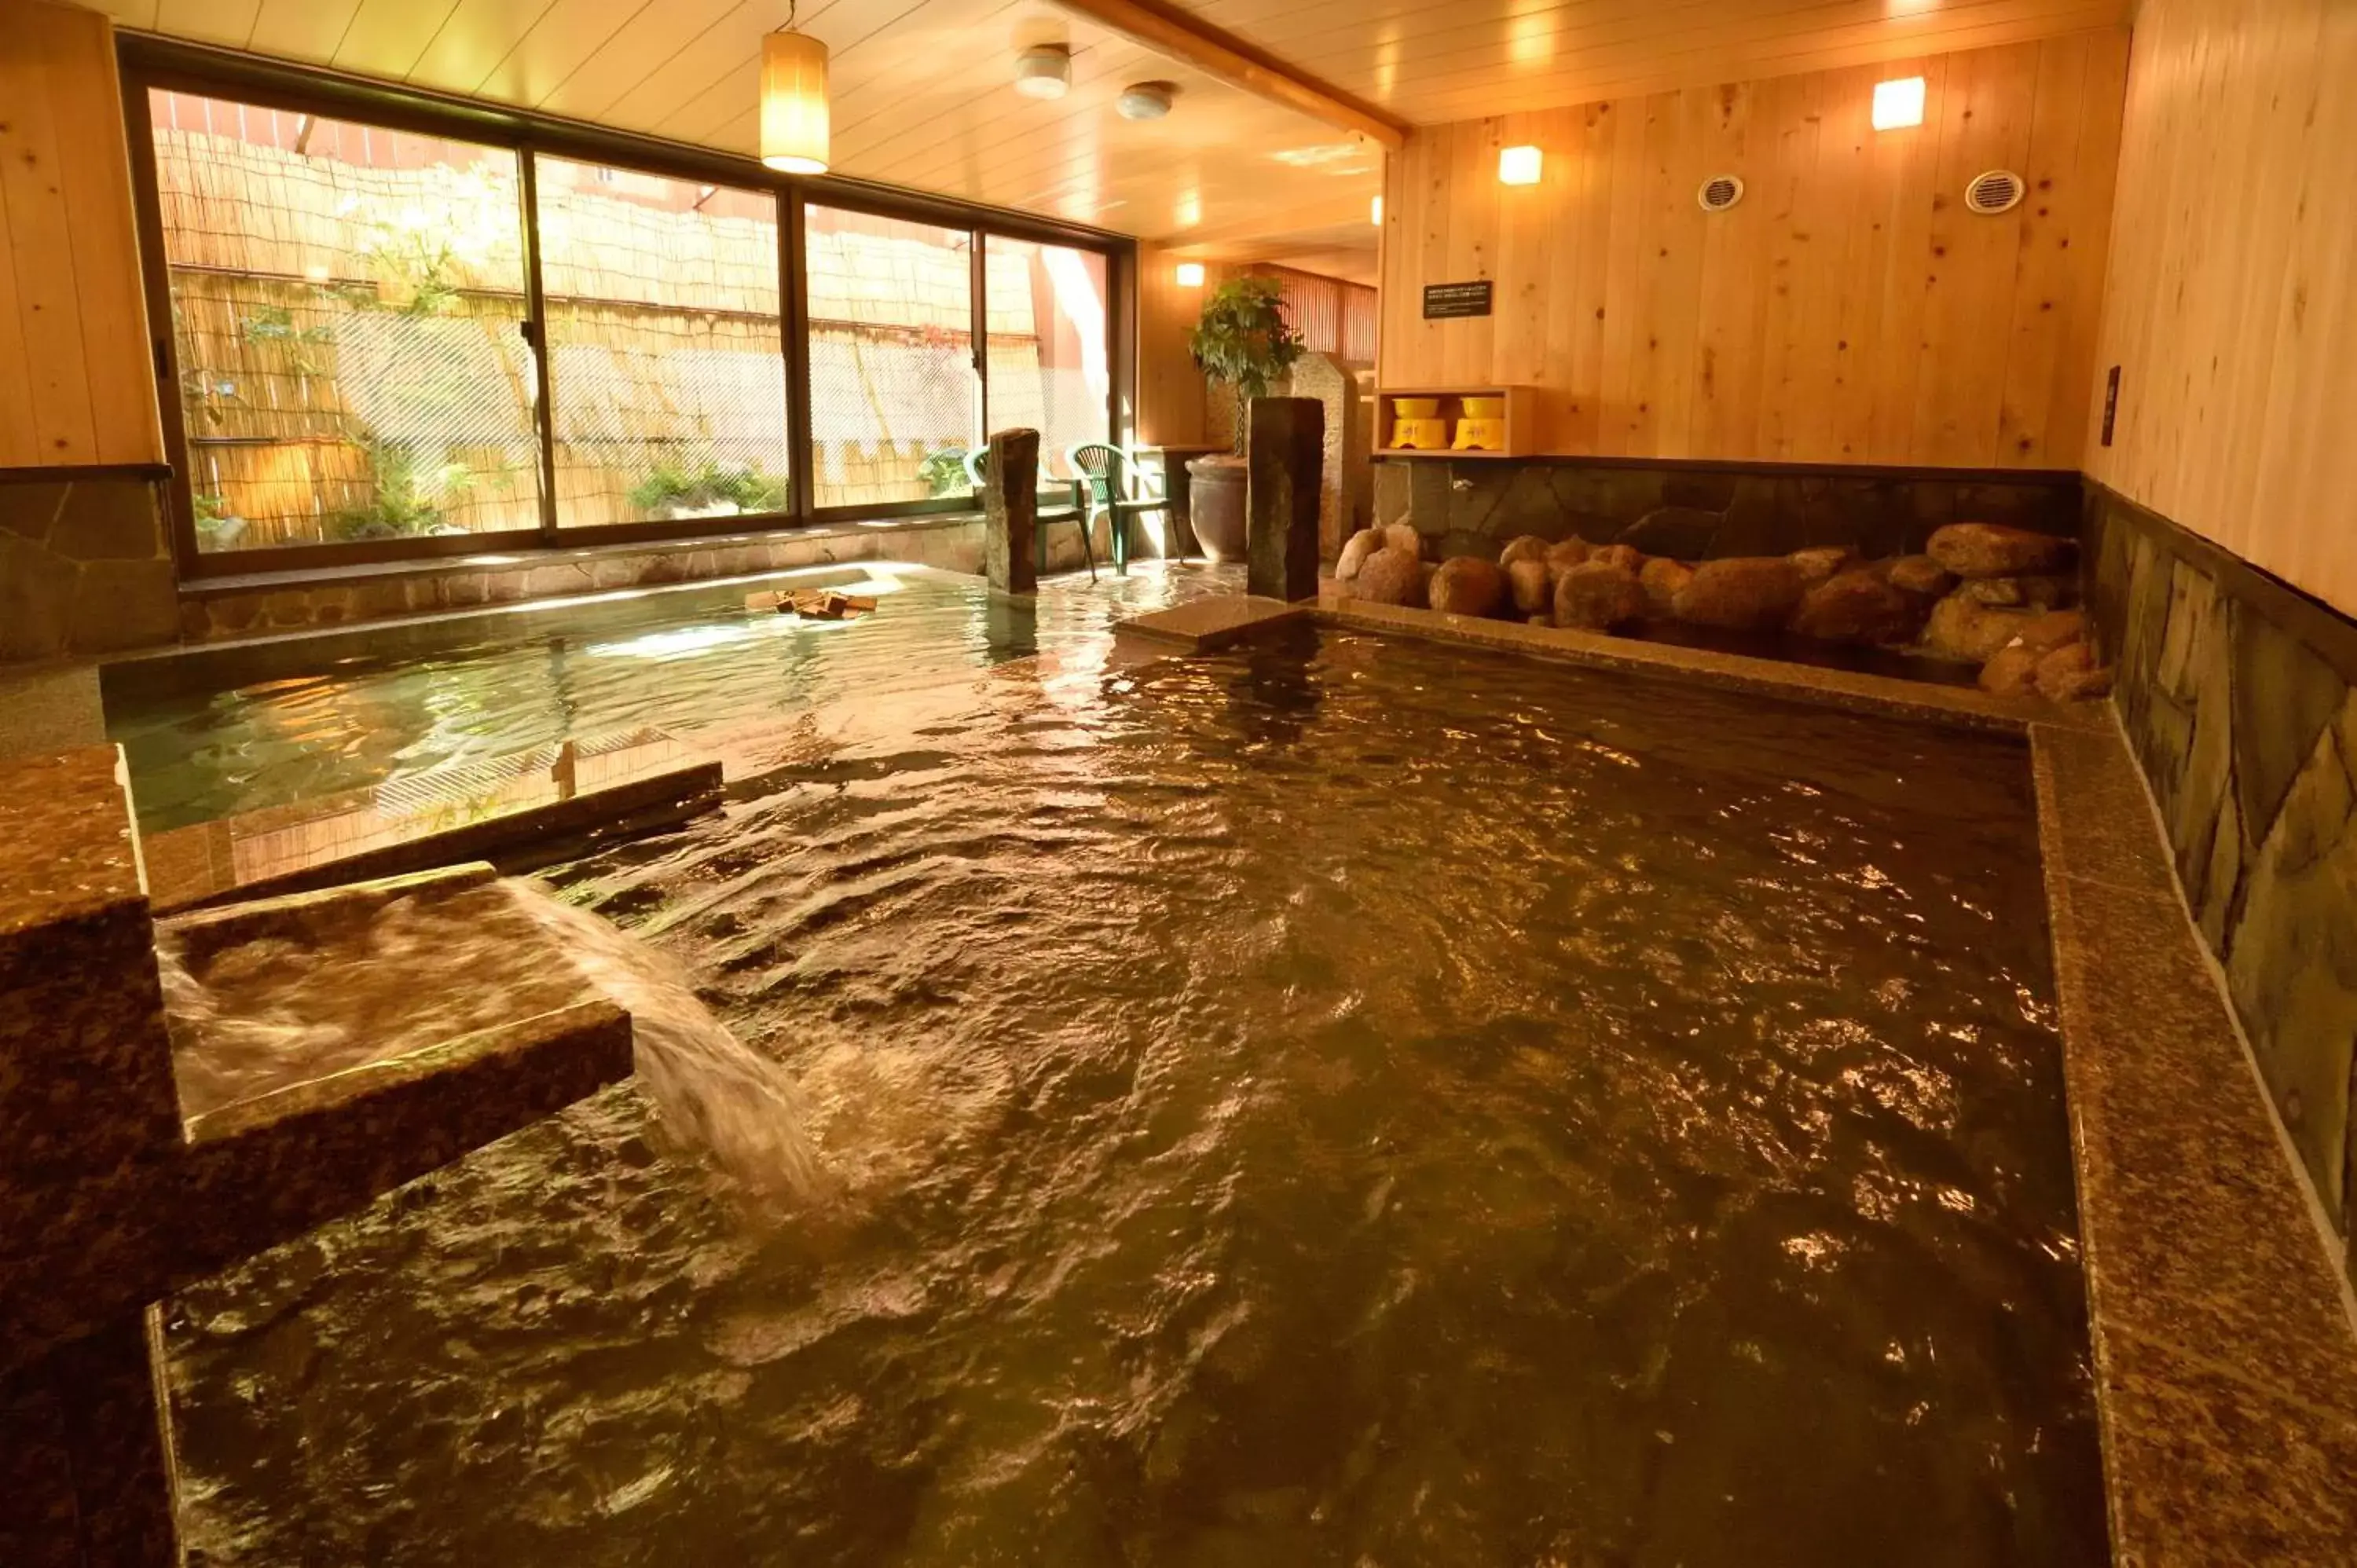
(40, 243)
(1986, 125)
(96, 176)
(1740, 138)
(2043, 298)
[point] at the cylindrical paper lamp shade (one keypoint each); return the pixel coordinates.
(794, 103)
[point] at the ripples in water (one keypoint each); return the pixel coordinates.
(1341, 1101)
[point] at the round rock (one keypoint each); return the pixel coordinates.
(1390, 577)
(1468, 585)
(1992, 550)
(1964, 630)
(1858, 606)
(1532, 587)
(1404, 536)
(1919, 575)
(1662, 578)
(1741, 593)
(1823, 563)
(1355, 551)
(1597, 596)
(1529, 547)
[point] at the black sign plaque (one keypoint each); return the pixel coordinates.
(1450, 301)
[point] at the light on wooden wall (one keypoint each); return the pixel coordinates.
(1520, 165)
(793, 103)
(1375, 213)
(1190, 274)
(1897, 102)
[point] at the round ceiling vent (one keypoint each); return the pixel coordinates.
(1044, 71)
(1720, 192)
(1145, 99)
(2000, 190)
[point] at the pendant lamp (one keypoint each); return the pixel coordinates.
(793, 102)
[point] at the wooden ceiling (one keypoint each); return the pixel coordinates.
(1434, 61)
(924, 96)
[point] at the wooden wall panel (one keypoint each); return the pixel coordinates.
(2232, 310)
(77, 384)
(1170, 393)
(1849, 311)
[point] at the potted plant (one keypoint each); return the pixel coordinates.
(1244, 341)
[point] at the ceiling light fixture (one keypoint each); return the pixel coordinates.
(1190, 274)
(1044, 71)
(1145, 99)
(1521, 166)
(1898, 103)
(794, 116)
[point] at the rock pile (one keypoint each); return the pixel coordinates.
(2002, 599)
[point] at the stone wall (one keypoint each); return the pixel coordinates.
(2236, 693)
(85, 566)
(1472, 507)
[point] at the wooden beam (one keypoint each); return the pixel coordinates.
(1167, 30)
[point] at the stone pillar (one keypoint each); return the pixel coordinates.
(1287, 454)
(1010, 506)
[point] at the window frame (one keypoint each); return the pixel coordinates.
(149, 64)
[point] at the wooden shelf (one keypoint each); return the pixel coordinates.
(1521, 435)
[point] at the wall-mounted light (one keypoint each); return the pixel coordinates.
(794, 117)
(1190, 274)
(1376, 213)
(1897, 102)
(1520, 165)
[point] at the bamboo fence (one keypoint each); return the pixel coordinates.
(354, 359)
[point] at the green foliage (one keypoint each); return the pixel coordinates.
(216, 525)
(407, 502)
(1243, 338)
(275, 324)
(942, 473)
(709, 484)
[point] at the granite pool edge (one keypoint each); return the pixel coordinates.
(2223, 1338)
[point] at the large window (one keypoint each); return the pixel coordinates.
(667, 363)
(391, 342)
(1050, 363)
(347, 304)
(894, 404)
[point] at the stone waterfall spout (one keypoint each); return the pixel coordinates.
(126, 1172)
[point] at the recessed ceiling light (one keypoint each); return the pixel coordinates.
(1897, 102)
(1520, 165)
(1145, 99)
(1044, 71)
(1190, 274)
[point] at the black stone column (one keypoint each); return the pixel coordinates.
(1287, 460)
(1010, 506)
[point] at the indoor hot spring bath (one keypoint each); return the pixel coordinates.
(1338, 1101)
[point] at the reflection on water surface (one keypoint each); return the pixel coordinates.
(1343, 1102)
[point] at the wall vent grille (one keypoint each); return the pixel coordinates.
(1720, 192)
(2000, 190)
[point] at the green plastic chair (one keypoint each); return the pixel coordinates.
(1108, 483)
(1067, 493)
